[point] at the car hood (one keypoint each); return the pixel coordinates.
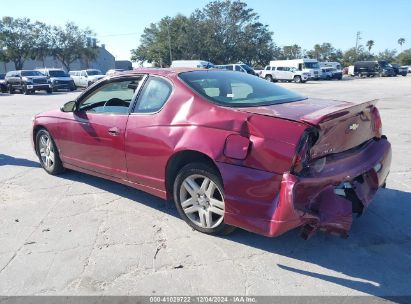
(310, 110)
(36, 77)
(61, 78)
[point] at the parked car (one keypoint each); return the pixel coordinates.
(192, 64)
(27, 82)
(86, 78)
(304, 65)
(329, 73)
(231, 149)
(409, 69)
(331, 64)
(59, 79)
(373, 68)
(238, 67)
(114, 71)
(282, 73)
(399, 70)
(3, 85)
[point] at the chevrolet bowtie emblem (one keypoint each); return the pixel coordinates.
(354, 126)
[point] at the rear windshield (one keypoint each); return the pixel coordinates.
(237, 89)
(31, 73)
(57, 73)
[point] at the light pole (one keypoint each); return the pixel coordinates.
(169, 40)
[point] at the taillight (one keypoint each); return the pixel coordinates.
(376, 122)
(302, 155)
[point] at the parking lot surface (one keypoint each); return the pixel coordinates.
(81, 235)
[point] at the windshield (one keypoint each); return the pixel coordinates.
(237, 89)
(311, 65)
(246, 67)
(31, 73)
(93, 72)
(57, 73)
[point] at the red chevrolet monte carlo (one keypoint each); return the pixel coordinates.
(232, 150)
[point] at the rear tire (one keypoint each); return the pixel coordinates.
(11, 90)
(49, 91)
(47, 153)
(199, 198)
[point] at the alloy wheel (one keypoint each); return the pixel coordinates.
(202, 201)
(46, 149)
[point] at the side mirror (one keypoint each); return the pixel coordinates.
(68, 106)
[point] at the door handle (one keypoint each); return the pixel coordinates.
(113, 131)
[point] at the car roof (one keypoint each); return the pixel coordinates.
(162, 71)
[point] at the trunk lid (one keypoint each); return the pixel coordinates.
(342, 125)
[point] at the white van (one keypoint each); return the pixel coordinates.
(191, 64)
(305, 65)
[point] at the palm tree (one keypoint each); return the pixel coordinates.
(401, 41)
(370, 44)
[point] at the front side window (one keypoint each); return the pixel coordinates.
(311, 65)
(114, 97)
(237, 89)
(153, 96)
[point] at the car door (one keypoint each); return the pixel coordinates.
(288, 74)
(147, 150)
(279, 73)
(95, 133)
(83, 79)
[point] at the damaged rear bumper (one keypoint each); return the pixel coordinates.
(323, 200)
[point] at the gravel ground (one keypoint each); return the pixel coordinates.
(80, 235)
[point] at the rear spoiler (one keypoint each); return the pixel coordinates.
(333, 112)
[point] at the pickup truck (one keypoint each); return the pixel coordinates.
(276, 73)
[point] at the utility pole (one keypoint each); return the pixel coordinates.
(169, 39)
(357, 40)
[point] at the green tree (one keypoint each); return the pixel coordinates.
(42, 36)
(291, 52)
(401, 41)
(387, 55)
(69, 44)
(355, 54)
(223, 31)
(17, 40)
(325, 52)
(404, 58)
(370, 44)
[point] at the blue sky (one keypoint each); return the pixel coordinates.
(119, 24)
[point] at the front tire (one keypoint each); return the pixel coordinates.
(199, 198)
(11, 90)
(48, 153)
(269, 78)
(297, 79)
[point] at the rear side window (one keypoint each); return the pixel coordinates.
(153, 96)
(237, 89)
